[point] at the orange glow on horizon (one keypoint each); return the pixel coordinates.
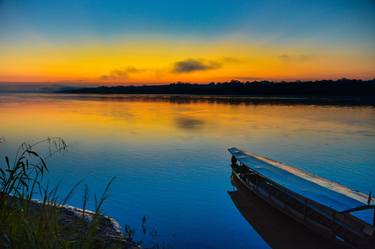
(153, 119)
(153, 61)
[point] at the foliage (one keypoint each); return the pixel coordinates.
(26, 223)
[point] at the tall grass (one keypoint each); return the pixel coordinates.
(26, 223)
(40, 224)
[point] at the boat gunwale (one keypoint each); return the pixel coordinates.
(357, 232)
(330, 213)
(307, 222)
(314, 204)
(312, 178)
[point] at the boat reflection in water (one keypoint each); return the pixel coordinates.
(276, 228)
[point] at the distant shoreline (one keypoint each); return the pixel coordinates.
(324, 88)
(341, 92)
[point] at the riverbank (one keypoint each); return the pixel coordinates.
(73, 223)
(341, 87)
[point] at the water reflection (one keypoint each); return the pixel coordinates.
(169, 153)
(214, 99)
(187, 123)
(277, 229)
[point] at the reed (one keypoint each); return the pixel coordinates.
(26, 223)
(32, 213)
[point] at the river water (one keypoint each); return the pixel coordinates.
(169, 154)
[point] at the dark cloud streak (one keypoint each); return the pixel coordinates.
(288, 58)
(121, 74)
(194, 65)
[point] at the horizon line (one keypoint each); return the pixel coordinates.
(174, 82)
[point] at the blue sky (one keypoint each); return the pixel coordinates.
(339, 30)
(70, 19)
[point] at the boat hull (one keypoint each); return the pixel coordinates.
(313, 217)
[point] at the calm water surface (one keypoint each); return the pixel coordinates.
(170, 160)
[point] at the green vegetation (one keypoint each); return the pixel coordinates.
(26, 223)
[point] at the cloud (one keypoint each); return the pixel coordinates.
(229, 59)
(288, 58)
(247, 78)
(284, 57)
(303, 58)
(193, 65)
(134, 70)
(121, 74)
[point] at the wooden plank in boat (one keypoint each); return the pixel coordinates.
(320, 190)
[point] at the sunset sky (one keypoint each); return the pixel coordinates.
(162, 41)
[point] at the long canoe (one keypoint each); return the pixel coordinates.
(335, 211)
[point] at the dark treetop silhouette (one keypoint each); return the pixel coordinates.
(341, 87)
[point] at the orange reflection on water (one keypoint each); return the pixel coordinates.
(156, 119)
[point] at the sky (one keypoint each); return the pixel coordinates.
(163, 41)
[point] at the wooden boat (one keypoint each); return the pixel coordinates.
(337, 212)
(283, 232)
